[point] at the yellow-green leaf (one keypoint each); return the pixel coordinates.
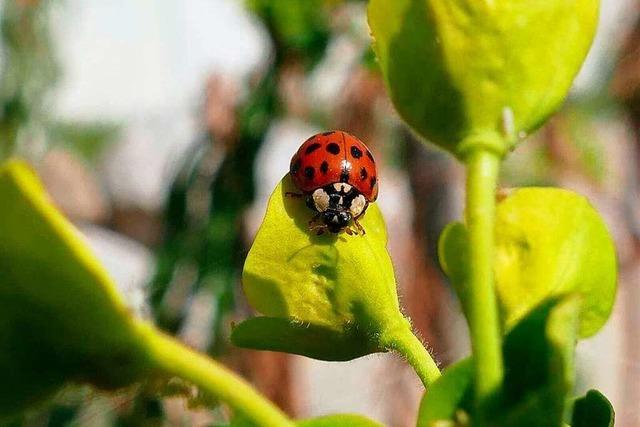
(549, 242)
(331, 297)
(339, 420)
(553, 242)
(464, 73)
(62, 318)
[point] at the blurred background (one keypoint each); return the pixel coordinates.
(160, 129)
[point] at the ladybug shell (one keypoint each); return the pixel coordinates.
(331, 157)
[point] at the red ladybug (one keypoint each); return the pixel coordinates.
(337, 175)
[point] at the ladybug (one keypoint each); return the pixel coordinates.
(336, 174)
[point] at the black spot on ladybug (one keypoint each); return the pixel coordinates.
(372, 183)
(295, 167)
(369, 155)
(344, 176)
(324, 167)
(356, 152)
(313, 147)
(309, 172)
(333, 148)
(363, 174)
(331, 132)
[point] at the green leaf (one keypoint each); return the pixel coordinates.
(539, 367)
(62, 318)
(538, 359)
(286, 335)
(593, 410)
(453, 253)
(465, 73)
(549, 242)
(450, 396)
(336, 286)
(553, 242)
(342, 420)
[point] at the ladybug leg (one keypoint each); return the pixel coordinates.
(359, 226)
(318, 228)
(315, 218)
(293, 195)
(349, 231)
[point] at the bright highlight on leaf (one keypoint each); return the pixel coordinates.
(549, 242)
(465, 73)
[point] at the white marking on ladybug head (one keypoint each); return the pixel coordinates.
(342, 187)
(320, 200)
(357, 205)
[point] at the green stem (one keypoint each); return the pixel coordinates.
(403, 341)
(175, 359)
(482, 175)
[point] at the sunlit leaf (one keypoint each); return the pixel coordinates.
(552, 242)
(467, 72)
(338, 287)
(549, 242)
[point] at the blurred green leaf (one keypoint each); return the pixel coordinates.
(450, 396)
(549, 242)
(465, 73)
(334, 285)
(593, 410)
(342, 420)
(297, 26)
(87, 139)
(62, 318)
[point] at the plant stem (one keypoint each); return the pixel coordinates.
(482, 175)
(176, 359)
(403, 341)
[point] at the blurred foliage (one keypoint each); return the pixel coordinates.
(28, 72)
(79, 328)
(297, 28)
(86, 139)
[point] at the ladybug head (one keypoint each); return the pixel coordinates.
(336, 220)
